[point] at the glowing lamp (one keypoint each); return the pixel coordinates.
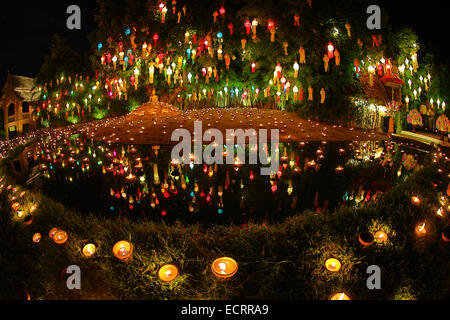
(88, 250)
(168, 272)
(339, 296)
(446, 234)
(123, 250)
(52, 232)
(224, 267)
(420, 230)
(366, 238)
(381, 236)
(253, 67)
(60, 237)
(37, 237)
(415, 200)
(15, 206)
(333, 265)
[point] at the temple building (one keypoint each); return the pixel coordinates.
(16, 102)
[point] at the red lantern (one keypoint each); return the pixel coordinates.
(222, 11)
(330, 50)
(253, 67)
(270, 25)
(230, 27)
(247, 26)
(155, 38)
(161, 7)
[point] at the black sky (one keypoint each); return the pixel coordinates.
(27, 28)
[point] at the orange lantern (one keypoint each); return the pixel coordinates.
(168, 272)
(333, 265)
(88, 250)
(339, 296)
(60, 237)
(15, 206)
(123, 250)
(366, 238)
(224, 267)
(37, 237)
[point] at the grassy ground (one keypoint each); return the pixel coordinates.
(282, 261)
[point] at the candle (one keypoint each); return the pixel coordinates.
(37, 237)
(381, 236)
(420, 230)
(340, 296)
(88, 250)
(224, 267)
(123, 250)
(168, 272)
(415, 200)
(333, 265)
(60, 237)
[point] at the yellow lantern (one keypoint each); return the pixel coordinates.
(123, 250)
(168, 272)
(224, 267)
(88, 250)
(333, 265)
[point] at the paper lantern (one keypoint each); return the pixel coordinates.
(15, 206)
(37, 237)
(339, 296)
(333, 265)
(60, 237)
(168, 272)
(224, 267)
(123, 250)
(88, 250)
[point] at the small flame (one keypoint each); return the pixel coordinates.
(422, 227)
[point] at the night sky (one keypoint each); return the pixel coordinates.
(27, 28)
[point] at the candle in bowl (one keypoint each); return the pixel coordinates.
(168, 272)
(339, 296)
(60, 237)
(415, 200)
(88, 250)
(333, 265)
(366, 238)
(37, 237)
(52, 232)
(123, 250)
(224, 267)
(446, 234)
(420, 230)
(381, 236)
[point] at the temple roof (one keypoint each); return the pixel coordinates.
(23, 87)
